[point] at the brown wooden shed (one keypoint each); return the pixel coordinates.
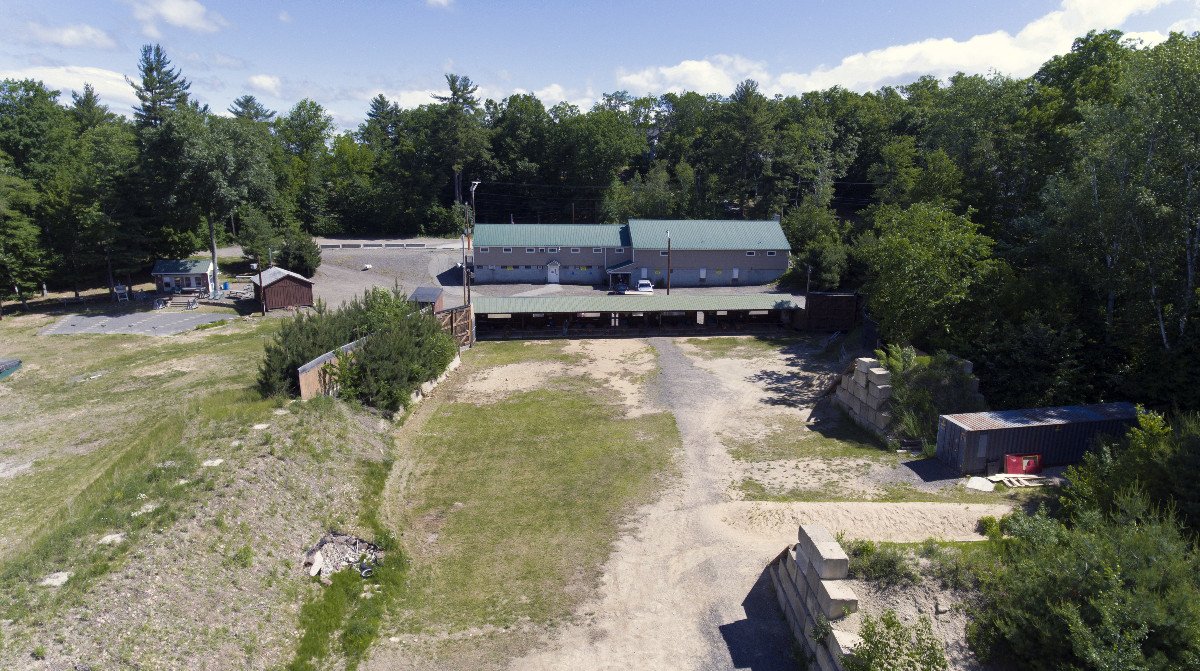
(283, 289)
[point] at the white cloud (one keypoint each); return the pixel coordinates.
(77, 35)
(188, 14)
(1018, 55)
(439, 3)
(1189, 25)
(111, 86)
(268, 84)
(717, 74)
(285, 17)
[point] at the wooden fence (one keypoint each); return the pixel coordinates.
(459, 322)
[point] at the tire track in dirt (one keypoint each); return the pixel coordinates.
(683, 590)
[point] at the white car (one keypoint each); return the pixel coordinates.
(644, 287)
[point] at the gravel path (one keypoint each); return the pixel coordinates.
(685, 590)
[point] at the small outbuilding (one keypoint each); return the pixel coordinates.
(978, 442)
(183, 275)
(428, 297)
(282, 289)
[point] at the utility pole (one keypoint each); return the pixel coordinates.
(808, 281)
(668, 263)
(262, 291)
(474, 218)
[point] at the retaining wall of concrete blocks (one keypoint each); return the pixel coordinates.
(865, 393)
(809, 582)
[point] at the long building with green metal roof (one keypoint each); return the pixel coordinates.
(700, 253)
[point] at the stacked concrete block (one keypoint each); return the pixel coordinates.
(809, 580)
(865, 394)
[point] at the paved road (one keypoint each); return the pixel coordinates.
(140, 323)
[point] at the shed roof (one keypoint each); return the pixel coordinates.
(425, 294)
(274, 274)
(553, 235)
(707, 234)
(182, 267)
(1071, 414)
(638, 303)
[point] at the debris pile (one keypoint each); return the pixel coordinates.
(336, 551)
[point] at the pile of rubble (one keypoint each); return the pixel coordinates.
(336, 551)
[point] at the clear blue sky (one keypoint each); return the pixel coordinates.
(343, 53)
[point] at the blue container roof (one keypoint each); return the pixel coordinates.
(1070, 414)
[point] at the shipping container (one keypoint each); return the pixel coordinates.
(978, 442)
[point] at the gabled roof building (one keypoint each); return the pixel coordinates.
(702, 252)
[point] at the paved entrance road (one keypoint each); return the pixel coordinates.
(140, 323)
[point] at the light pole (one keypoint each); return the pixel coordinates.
(471, 233)
(668, 263)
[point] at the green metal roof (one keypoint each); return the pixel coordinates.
(707, 234)
(620, 266)
(549, 235)
(181, 267)
(658, 302)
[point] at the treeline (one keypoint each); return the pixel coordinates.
(1047, 228)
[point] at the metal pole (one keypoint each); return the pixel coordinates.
(668, 263)
(262, 291)
(464, 267)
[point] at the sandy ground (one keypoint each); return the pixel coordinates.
(685, 589)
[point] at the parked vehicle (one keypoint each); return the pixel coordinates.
(645, 287)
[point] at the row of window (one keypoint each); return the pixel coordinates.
(580, 268)
(575, 250)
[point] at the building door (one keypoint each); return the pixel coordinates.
(552, 272)
(734, 279)
(645, 273)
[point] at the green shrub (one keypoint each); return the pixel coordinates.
(948, 565)
(925, 387)
(1106, 592)
(887, 643)
(884, 564)
(300, 253)
(989, 526)
(407, 348)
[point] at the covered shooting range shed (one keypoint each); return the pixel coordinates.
(283, 289)
(977, 442)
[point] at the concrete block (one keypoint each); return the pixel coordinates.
(836, 599)
(860, 378)
(874, 403)
(842, 643)
(879, 376)
(883, 391)
(825, 661)
(865, 364)
(821, 549)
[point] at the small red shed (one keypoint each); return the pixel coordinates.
(428, 297)
(283, 289)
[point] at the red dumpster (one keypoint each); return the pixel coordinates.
(1022, 463)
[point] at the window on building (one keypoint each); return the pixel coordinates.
(620, 250)
(770, 253)
(529, 250)
(749, 253)
(541, 250)
(484, 250)
(597, 250)
(507, 250)
(552, 250)
(662, 253)
(574, 250)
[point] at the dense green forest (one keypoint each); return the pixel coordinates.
(1048, 228)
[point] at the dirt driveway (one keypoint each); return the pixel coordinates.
(685, 589)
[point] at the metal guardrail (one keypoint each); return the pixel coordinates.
(373, 245)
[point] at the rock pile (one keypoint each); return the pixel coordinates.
(336, 551)
(809, 583)
(865, 393)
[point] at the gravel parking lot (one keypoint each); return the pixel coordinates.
(342, 275)
(139, 323)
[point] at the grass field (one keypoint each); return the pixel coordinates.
(513, 505)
